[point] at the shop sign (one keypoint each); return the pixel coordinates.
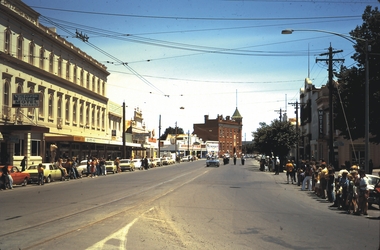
(26, 100)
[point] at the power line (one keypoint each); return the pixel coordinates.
(196, 18)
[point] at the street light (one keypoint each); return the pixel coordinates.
(366, 50)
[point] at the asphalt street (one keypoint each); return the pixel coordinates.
(183, 206)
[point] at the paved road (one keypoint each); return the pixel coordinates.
(184, 206)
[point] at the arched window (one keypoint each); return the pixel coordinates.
(75, 74)
(68, 66)
(59, 107)
(31, 110)
(87, 115)
(51, 105)
(60, 66)
(42, 57)
(81, 110)
(98, 118)
(81, 77)
(93, 116)
(31, 52)
(6, 97)
(20, 50)
(51, 62)
(93, 83)
(67, 109)
(74, 111)
(88, 81)
(7, 41)
(42, 104)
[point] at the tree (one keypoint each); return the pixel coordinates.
(172, 131)
(352, 82)
(277, 138)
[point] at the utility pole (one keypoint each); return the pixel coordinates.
(297, 104)
(330, 61)
(280, 111)
(159, 137)
(124, 130)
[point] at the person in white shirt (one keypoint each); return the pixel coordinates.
(363, 192)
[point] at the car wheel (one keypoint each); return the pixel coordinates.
(48, 179)
(25, 182)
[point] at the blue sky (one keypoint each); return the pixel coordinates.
(207, 56)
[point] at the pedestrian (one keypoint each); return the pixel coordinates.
(40, 169)
(289, 171)
(343, 185)
(308, 175)
(363, 192)
(277, 166)
(5, 178)
(235, 159)
(23, 164)
(242, 159)
(331, 186)
(117, 163)
(323, 180)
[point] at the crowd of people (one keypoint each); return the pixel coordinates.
(348, 189)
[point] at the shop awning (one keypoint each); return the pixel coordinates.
(24, 128)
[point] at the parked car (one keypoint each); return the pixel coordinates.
(374, 196)
(82, 168)
(127, 164)
(157, 162)
(51, 173)
(137, 163)
(111, 167)
(19, 178)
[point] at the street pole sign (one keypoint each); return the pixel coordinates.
(26, 100)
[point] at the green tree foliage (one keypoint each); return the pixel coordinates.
(352, 82)
(278, 137)
(172, 131)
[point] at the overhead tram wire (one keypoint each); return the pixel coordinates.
(117, 60)
(196, 18)
(107, 33)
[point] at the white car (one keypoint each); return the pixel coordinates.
(137, 163)
(82, 167)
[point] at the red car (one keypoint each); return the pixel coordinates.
(19, 178)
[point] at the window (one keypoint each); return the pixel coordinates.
(81, 109)
(42, 57)
(75, 74)
(87, 115)
(98, 86)
(51, 105)
(103, 88)
(36, 148)
(67, 109)
(68, 65)
(60, 66)
(88, 81)
(93, 83)
(41, 107)
(31, 90)
(7, 44)
(98, 118)
(20, 51)
(51, 62)
(6, 96)
(93, 116)
(81, 77)
(74, 111)
(31, 52)
(59, 107)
